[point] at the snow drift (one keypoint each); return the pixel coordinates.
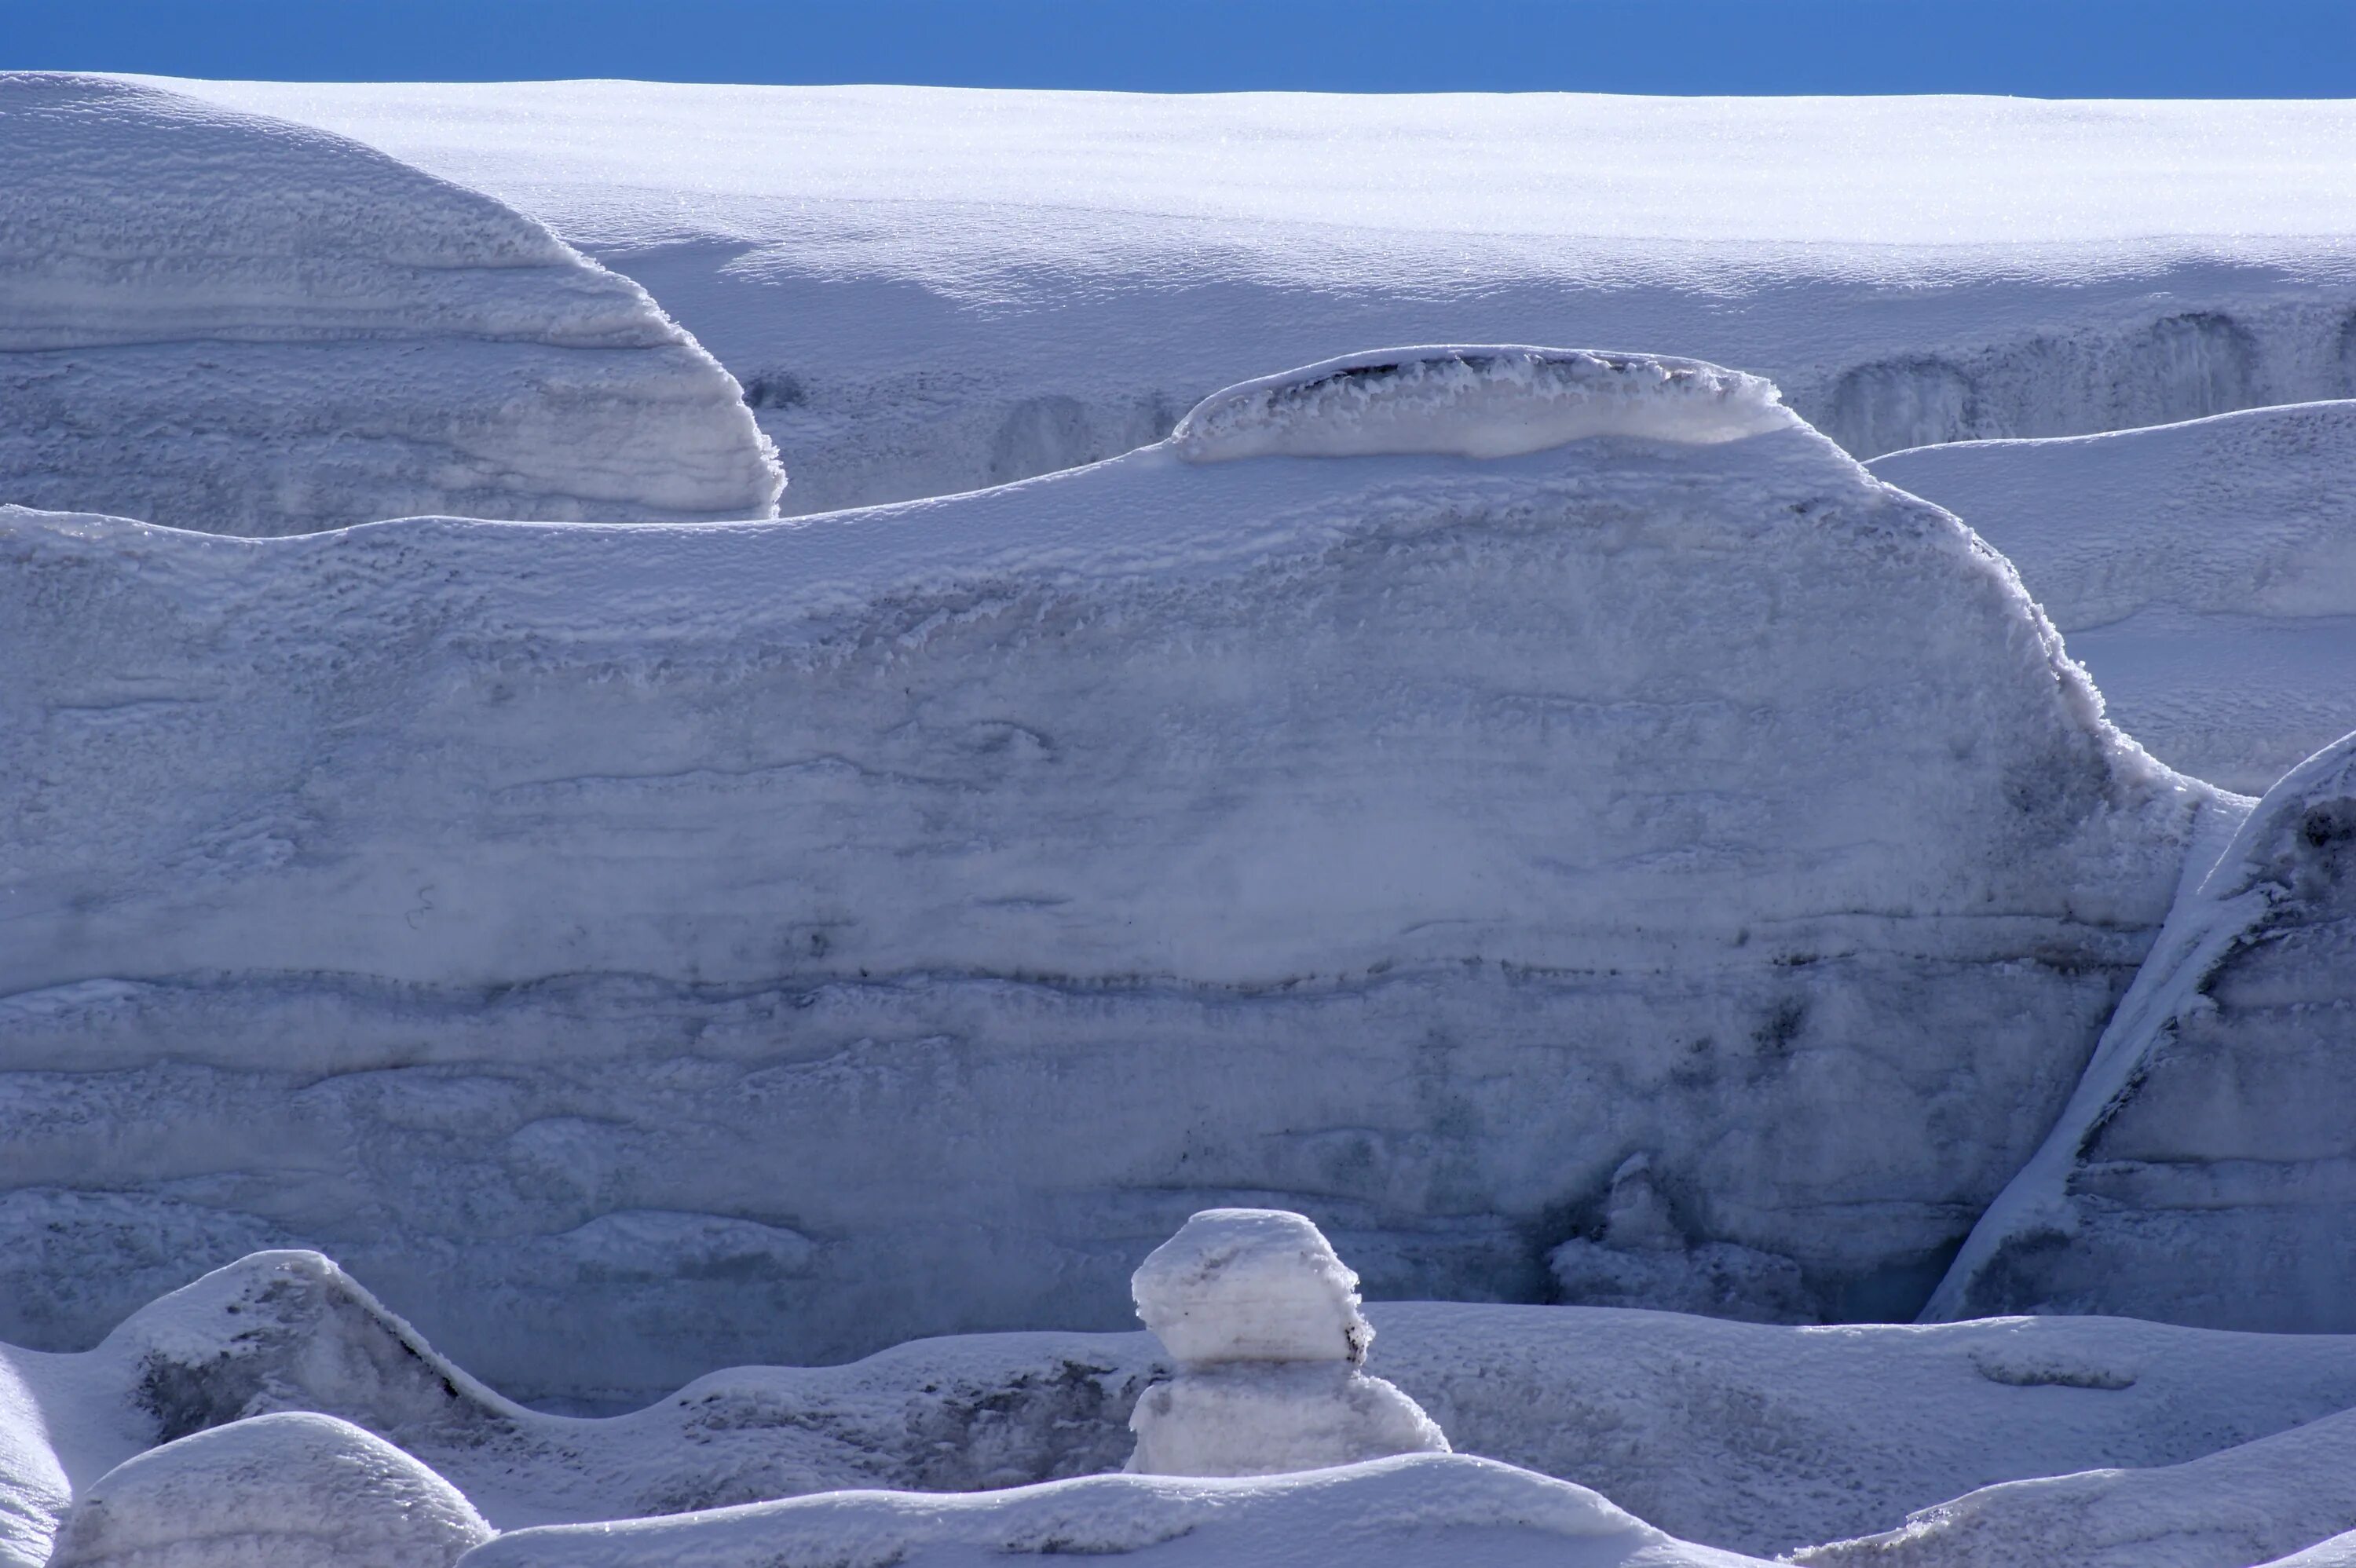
(2205, 573)
(2199, 1173)
(646, 949)
(222, 322)
(926, 291)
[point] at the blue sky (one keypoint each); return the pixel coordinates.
(2096, 49)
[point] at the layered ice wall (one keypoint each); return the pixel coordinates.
(2205, 573)
(2201, 1173)
(649, 949)
(926, 291)
(225, 322)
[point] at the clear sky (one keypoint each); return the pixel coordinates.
(2052, 49)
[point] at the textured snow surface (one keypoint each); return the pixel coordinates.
(218, 321)
(290, 1490)
(927, 290)
(1753, 1438)
(646, 949)
(2205, 573)
(2200, 1173)
(1405, 1512)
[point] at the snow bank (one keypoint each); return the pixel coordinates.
(1753, 1438)
(925, 291)
(1263, 1321)
(2198, 1173)
(226, 323)
(750, 912)
(1475, 402)
(2205, 573)
(1392, 1513)
(278, 1492)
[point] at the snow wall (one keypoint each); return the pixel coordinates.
(217, 321)
(926, 291)
(2200, 1173)
(640, 949)
(2204, 572)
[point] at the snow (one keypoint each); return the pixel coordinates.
(1405, 840)
(2204, 572)
(1262, 1319)
(2198, 1174)
(1251, 1285)
(291, 1490)
(224, 322)
(1474, 402)
(927, 290)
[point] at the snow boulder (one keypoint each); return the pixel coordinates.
(294, 1491)
(652, 949)
(2204, 572)
(1263, 1321)
(231, 323)
(2200, 1172)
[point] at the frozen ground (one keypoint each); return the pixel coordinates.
(633, 947)
(927, 290)
(1750, 1438)
(219, 321)
(2205, 573)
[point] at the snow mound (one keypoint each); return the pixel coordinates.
(1262, 1319)
(224, 323)
(294, 1490)
(1251, 1284)
(1393, 1513)
(2204, 572)
(1475, 402)
(2198, 1173)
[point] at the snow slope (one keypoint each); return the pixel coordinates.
(1753, 1438)
(2205, 573)
(645, 949)
(927, 290)
(222, 322)
(2201, 1173)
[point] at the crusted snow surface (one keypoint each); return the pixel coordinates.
(2205, 573)
(1392, 1513)
(927, 290)
(290, 1490)
(639, 950)
(1475, 402)
(218, 321)
(1262, 1319)
(1753, 1438)
(2200, 1172)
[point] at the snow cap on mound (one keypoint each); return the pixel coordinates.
(1251, 1284)
(1475, 402)
(293, 1490)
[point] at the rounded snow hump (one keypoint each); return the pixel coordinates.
(1498, 401)
(1251, 1284)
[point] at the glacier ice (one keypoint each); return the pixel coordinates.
(1262, 1319)
(289, 1490)
(646, 949)
(2205, 573)
(928, 291)
(217, 321)
(2200, 1172)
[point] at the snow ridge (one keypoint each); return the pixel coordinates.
(1500, 401)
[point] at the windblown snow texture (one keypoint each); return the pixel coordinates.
(926, 291)
(2205, 573)
(216, 321)
(641, 950)
(2200, 1174)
